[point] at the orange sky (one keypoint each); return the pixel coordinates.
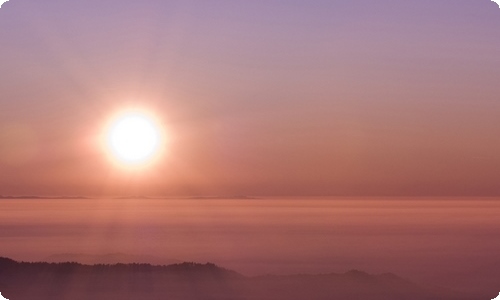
(259, 98)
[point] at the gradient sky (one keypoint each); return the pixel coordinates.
(259, 97)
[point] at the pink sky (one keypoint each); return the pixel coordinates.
(259, 97)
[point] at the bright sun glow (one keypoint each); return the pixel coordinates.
(134, 138)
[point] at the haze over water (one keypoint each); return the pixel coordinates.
(452, 242)
(292, 98)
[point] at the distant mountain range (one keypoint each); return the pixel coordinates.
(189, 281)
(111, 258)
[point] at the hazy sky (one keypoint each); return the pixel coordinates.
(258, 97)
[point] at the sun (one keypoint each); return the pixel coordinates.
(134, 138)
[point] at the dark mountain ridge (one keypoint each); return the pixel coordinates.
(109, 258)
(187, 281)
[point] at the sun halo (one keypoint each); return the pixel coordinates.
(133, 139)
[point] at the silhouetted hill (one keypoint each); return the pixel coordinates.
(187, 281)
(110, 258)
